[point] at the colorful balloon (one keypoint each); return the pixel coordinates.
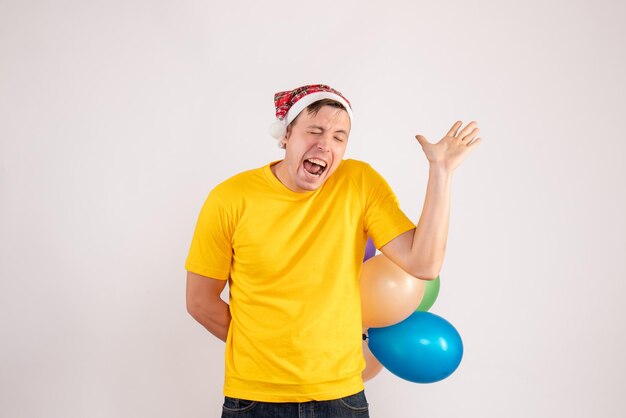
(423, 348)
(431, 291)
(370, 250)
(388, 293)
(372, 365)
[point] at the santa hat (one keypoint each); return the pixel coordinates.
(290, 103)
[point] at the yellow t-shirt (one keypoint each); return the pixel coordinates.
(293, 260)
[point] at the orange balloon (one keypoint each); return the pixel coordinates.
(388, 294)
(372, 365)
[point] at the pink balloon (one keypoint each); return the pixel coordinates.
(372, 365)
(388, 294)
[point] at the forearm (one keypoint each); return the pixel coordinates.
(431, 234)
(215, 317)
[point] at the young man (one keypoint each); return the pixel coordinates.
(289, 238)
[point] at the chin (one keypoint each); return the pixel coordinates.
(309, 184)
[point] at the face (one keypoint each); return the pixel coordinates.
(314, 148)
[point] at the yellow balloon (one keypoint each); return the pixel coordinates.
(388, 294)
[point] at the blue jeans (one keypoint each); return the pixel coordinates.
(349, 407)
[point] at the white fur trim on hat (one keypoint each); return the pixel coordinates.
(301, 104)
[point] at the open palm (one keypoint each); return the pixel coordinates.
(452, 149)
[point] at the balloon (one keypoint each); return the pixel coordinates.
(431, 292)
(388, 293)
(372, 365)
(370, 250)
(424, 348)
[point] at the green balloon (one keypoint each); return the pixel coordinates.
(430, 295)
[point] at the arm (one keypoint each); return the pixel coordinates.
(205, 304)
(421, 251)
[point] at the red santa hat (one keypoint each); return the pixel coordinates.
(290, 103)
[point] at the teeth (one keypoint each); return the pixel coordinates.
(318, 162)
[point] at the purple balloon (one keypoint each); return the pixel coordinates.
(370, 250)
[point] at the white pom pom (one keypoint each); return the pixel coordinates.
(278, 129)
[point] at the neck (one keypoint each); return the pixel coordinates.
(277, 170)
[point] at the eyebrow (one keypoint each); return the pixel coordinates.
(322, 129)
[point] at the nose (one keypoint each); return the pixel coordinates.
(323, 142)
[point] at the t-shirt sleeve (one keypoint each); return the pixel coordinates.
(211, 252)
(384, 220)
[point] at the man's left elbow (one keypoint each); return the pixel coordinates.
(426, 276)
(425, 273)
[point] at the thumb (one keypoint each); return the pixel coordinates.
(422, 140)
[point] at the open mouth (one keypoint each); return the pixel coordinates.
(314, 166)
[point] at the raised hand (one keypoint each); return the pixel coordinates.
(452, 149)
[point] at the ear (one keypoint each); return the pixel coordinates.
(285, 139)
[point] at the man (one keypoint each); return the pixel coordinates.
(289, 238)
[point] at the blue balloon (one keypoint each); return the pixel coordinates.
(370, 250)
(424, 348)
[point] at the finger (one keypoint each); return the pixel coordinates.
(468, 138)
(455, 128)
(467, 129)
(474, 143)
(423, 141)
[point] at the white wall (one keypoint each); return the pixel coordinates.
(118, 117)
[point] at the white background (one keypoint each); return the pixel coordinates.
(118, 117)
